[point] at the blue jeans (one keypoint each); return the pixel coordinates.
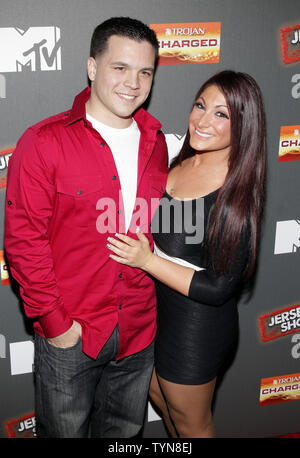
(77, 396)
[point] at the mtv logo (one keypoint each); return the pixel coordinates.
(34, 49)
(21, 357)
(174, 144)
(2, 87)
(2, 346)
(287, 238)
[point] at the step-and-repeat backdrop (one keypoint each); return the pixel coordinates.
(44, 47)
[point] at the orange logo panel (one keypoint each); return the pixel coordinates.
(283, 388)
(4, 280)
(289, 145)
(188, 43)
(4, 158)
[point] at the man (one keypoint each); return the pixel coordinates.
(75, 179)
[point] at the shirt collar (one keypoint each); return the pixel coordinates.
(78, 109)
(144, 119)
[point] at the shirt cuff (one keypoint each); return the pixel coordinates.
(55, 323)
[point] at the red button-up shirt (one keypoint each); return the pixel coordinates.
(63, 200)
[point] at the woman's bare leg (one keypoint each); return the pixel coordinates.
(189, 407)
(159, 401)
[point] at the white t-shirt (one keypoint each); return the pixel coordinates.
(124, 145)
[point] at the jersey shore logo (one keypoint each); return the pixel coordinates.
(23, 427)
(188, 43)
(280, 323)
(34, 49)
(289, 144)
(279, 389)
(290, 43)
(287, 237)
(4, 158)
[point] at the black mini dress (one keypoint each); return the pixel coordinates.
(196, 334)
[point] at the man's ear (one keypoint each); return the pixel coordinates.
(91, 68)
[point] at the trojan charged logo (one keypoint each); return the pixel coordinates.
(4, 279)
(188, 43)
(289, 144)
(4, 158)
(35, 49)
(280, 389)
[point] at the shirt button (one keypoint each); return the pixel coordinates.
(114, 177)
(79, 191)
(120, 275)
(120, 307)
(119, 212)
(102, 144)
(9, 202)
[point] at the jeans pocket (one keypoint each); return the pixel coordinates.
(59, 364)
(72, 347)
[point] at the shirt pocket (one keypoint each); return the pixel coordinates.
(77, 199)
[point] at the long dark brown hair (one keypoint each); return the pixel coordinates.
(238, 209)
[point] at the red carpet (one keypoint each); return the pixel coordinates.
(290, 436)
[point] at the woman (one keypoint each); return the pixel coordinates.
(222, 167)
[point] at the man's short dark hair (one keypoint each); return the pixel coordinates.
(121, 26)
